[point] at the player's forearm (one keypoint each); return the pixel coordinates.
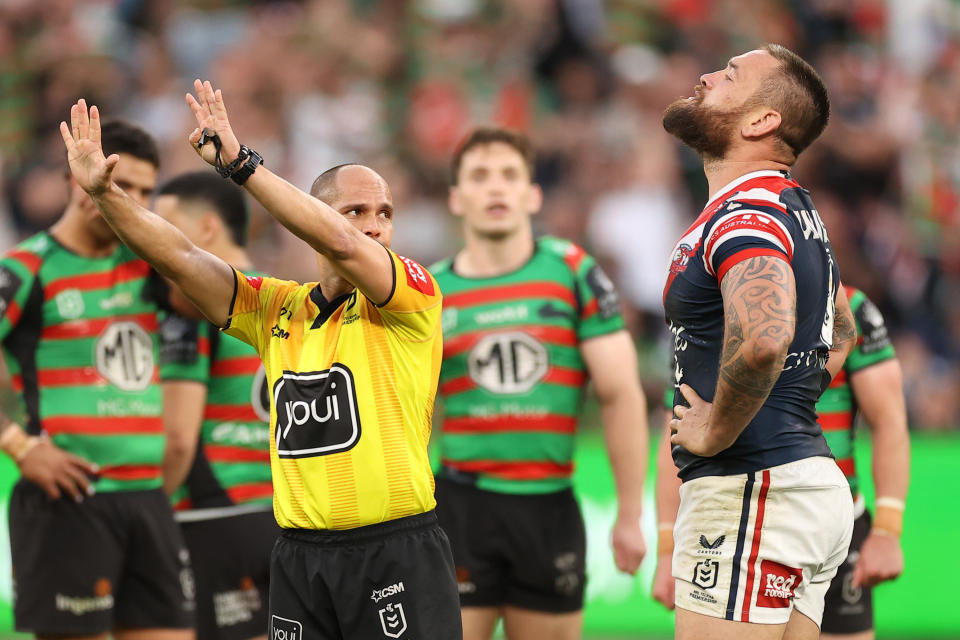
(879, 393)
(177, 460)
(183, 402)
(205, 279)
(759, 297)
(310, 219)
(844, 334)
(150, 236)
(667, 492)
(625, 433)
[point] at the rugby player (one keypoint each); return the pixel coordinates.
(527, 323)
(870, 383)
(217, 462)
(94, 545)
(352, 364)
(752, 300)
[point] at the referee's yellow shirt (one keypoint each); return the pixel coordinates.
(352, 388)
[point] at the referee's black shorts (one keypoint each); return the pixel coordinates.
(389, 580)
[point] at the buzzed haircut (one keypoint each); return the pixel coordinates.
(225, 198)
(482, 136)
(119, 136)
(324, 188)
(800, 97)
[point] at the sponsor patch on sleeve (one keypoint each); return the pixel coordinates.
(255, 281)
(178, 340)
(606, 294)
(9, 285)
(873, 330)
(417, 277)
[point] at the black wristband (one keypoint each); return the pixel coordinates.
(230, 169)
(255, 160)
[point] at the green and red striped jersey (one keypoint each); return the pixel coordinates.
(837, 407)
(232, 463)
(79, 338)
(513, 378)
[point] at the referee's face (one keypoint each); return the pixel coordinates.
(363, 198)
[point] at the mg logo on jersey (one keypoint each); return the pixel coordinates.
(778, 586)
(392, 620)
(508, 362)
(316, 413)
(125, 356)
(705, 574)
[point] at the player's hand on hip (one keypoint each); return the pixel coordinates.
(881, 559)
(211, 114)
(629, 547)
(89, 168)
(664, 586)
(57, 472)
(689, 428)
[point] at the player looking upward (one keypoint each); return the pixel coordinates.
(751, 298)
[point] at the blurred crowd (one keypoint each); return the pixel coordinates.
(396, 83)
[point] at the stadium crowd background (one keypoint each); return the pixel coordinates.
(396, 83)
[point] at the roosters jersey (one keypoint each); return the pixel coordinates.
(764, 213)
(352, 386)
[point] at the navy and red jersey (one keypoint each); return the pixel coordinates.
(764, 213)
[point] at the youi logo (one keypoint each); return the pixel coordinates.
(316, 413)
(285, 629)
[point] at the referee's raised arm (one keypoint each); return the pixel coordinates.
(356, 256)
(206, 279)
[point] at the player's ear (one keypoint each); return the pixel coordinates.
(211, 226)
(761, 123)
(536, 199)
(453, 201)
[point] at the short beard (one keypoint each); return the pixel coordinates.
(706, 130)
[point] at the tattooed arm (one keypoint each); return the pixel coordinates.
(844, 334)
(759, 298)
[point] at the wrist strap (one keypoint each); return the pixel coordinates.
(888, 520)
(665, 538)
(893, 503)
(241, 174)
(16, 443)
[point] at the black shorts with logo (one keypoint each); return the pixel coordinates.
(527, 551)
(231, 565)
(388, 580)
(849, 610)
(116, 560)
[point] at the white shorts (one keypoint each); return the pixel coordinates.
(753, 546)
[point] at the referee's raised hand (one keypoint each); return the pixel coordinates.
(89, 167)
(211, 114)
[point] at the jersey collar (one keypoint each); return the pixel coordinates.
(733, 184)
(325, 308)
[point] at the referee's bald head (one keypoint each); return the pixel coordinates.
(327, 188)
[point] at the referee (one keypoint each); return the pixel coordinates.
(352, 363)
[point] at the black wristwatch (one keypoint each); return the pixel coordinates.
(255, 160)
